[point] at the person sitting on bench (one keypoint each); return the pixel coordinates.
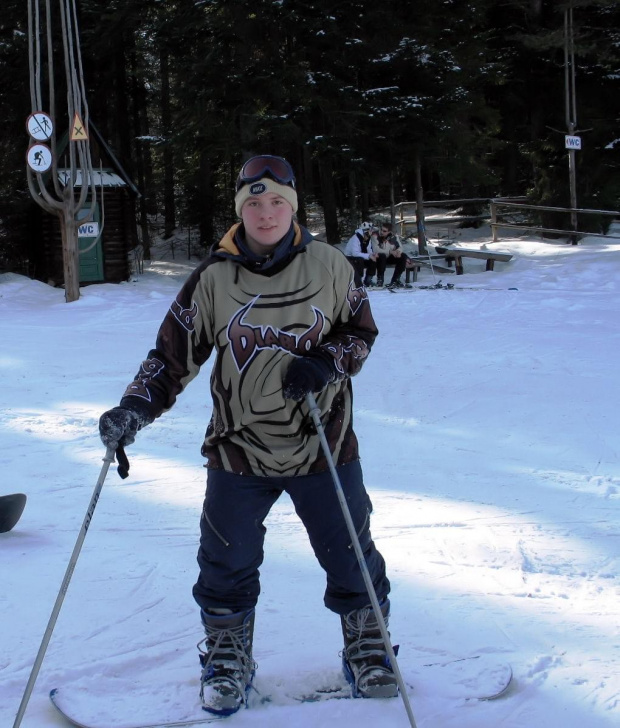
(387, 245)
(359, 253)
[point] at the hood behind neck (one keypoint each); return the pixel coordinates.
(234, 246)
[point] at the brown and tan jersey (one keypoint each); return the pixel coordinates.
(257, 321)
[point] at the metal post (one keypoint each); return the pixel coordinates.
(34, 673)
(315, 414)
(571, 112)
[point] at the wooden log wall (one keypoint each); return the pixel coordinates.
(119, 238)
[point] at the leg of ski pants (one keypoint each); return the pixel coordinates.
(399, 267)
(317, 504)
(231, 539)
(381, 265)
(358, 265)
(371, 267)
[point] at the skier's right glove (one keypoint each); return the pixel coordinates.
(119, 426)
(307, 374)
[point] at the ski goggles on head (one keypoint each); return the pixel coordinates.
(266, 165)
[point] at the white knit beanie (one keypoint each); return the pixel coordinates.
(261, 187)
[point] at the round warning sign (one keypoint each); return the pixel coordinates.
(39, 126)
(39, 158)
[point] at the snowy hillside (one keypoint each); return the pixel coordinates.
(488, 423)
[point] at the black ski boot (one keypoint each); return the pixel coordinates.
(226, 659)
(365, 662)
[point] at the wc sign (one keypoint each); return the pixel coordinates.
(572, 142)
(88, 230)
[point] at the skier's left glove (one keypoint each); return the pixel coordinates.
(307, 374)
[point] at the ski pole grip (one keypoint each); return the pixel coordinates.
(123, 462)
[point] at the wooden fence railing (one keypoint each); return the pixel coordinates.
(405, 219)
(498, 207)
(572, 234)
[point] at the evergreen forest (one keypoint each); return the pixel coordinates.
(368, 100)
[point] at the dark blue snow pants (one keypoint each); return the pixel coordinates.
(232, 537)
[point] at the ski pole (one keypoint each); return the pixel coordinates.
(374, 600)
(107, 460)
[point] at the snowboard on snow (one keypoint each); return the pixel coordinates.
(105, 701)
(11, 508)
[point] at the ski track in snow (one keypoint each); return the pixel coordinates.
(488, 424)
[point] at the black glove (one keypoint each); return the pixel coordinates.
(118, 426)
(307, 374)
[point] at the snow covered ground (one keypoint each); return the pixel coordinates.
(488, 422)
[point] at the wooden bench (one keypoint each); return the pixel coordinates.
(415, 263)
(429, 262)
(457, 255)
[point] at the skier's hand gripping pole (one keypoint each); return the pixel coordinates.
(315, 414)
(107, 461)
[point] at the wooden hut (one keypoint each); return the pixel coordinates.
(104, 258)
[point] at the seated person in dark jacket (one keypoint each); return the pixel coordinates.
(360, 254)
(387, 246)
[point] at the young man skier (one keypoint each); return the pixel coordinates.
(286, 316)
